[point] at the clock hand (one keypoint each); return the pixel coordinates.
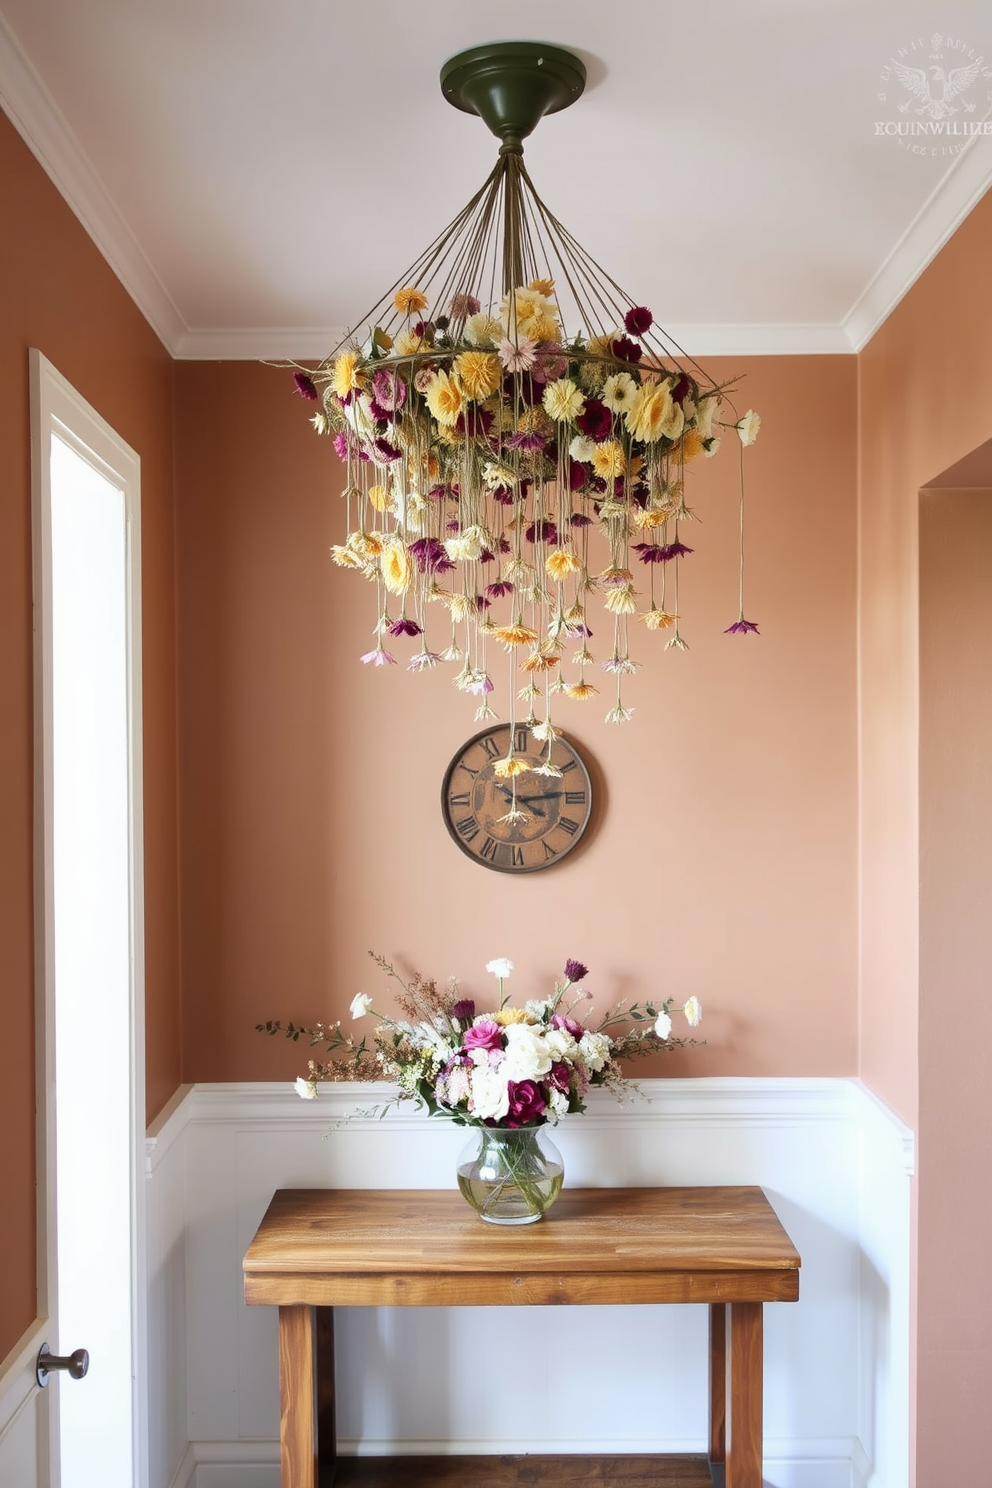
(509, 796)
(545, 796)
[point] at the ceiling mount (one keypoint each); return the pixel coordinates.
(511, 85)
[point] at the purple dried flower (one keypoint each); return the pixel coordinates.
(473, 421)
(305, 387)
(579, 519)
(575, 971)
(578, 474)
(380, 415)
(638, 320)
(741, 627)
(387, 452)
(403, 626)
(499, 589)
(681, 388)
(389, 389)
(542, 532)
(651, 552)
(676, 550)
(523, 440)
(462, 306)
(424, 329)
(503, 495)
(429, 555)
(465, 1007)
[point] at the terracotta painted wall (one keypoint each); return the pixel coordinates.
(57, 293)
(925, 401)
(723, 859)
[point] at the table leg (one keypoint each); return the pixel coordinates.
(306, 1396)
(718, 1383)
(746, 1365)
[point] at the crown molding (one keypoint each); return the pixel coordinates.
(938, 219)
(44, 129)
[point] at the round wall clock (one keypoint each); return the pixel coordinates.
(553, 810)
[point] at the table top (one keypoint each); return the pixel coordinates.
(371, 1247)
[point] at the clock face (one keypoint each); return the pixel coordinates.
(552, 810)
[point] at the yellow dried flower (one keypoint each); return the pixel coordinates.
(482, 330)
(580, 691)
(461, 606)
(657, 619)
(380, 498)
(503, 769)
(365, 544)
(608, 459)
(545, 287)
(409, 301)
(546, 328)
(347, 375)
(344, 557)
(407, 344)
(620, 601)
(692, 445)
(509, 1015)
(541, 661)
(650, 411)
(397, 566)
(602, 346)
(515, 635)
(562, 400)
(560, 564)
(534, 420)
(619, 392)
(479, 372)
(445, 398)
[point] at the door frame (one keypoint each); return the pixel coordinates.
(57, 408)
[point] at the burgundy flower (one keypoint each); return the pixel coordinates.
(503, 495)
(676, 550)
(346, 444)
(380, 415)
(542, 532)
(403, 626)
(438, 493)
(487, 556)
(499, 589)
(430, 556)
(741, 627)
(464, 305)
(452, 525)
(387, 451)
(473, 421)
(651, 552)
(560, 1076)
(424, 329)
(486, 1033)
(526, 1102)
(681, 388)
(578, 474)
(465, 1007)
(595, 420)
(523, 440)
(638, 320)
(305, 387)
(575, 971)
(482, 603)
(561, 1020)
(625, 350)
(579, 519)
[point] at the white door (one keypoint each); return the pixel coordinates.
(90, 1431)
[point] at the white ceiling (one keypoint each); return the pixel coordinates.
(259, 171)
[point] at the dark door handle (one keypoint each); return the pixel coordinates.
(75, 1364)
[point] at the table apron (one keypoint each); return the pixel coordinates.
(486, 1289)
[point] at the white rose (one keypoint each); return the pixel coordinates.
(560, 1044)
(748, 427)
(501, 967)
(490, 1097)
(595, 1050)
(663, 1025)
(693, 1012)
(361, 1005)
(527, 1055)
(306, 1089)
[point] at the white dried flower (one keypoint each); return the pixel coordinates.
(663, 1026)
(501, 967)
(693, 1012)
(306, 1089)
(361, 1005)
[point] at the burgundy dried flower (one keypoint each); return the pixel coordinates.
(424, 329)
(486, 556)
(386, 451)
(305, 387)
(676, 550)
(651, 552)
(523, 440)
(625, 350)
(438, 493)
(542, 532)
(638, 320)
(741, 627)
(560, 1076)
(465, 1007)
(579, 519)
(473, 421)
(403, 626)
(482, 603)
(499, 589)
(429, 555)
(574, 970)
(462, 306)
(503, 495)
(681, 388)
(578, 474)
(380, 415)
(595, 420)
(452, 525)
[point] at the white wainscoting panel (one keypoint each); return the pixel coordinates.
(23, 1415)
(832, 1161)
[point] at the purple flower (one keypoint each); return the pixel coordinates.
(389, 389)
(578, 474)
(485, 1033)
(741, 627)
(651, 552)
(438, 492)
(595, 420)
(503, 495)
(403, 626)
(429, 555)
(560, 1076)
(473, 421)
(579, 519)
(638, 320)
(346, 444)
(480, 687)
(482, 603)
(386, 451)
(676, 550)
(625, 350)
(550, 363)
(542, 532)
(378, 657)
(379, 414)
(524, 441)
(499, 589)
(575, 971)
(424, 329)
(305, 387)
(560, 1020)
(526, 1102)
(681, 388)
(464, 1007)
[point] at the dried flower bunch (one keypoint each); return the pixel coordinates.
(509, 1067)
(499, 474)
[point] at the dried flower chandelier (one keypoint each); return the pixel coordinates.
(504, 472)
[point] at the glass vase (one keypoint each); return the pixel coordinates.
(510, 1176)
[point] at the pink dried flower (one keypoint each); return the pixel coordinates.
(305, 387)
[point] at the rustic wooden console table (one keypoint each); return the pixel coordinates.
(318, 1249)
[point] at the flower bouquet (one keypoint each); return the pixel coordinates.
(508, 1073)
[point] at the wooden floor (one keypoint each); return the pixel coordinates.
(523, 1472)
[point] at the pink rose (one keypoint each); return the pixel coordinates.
(485, 1033)
(559, 1020)
(526, 1102)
